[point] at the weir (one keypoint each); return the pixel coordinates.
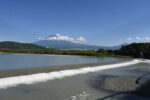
(42, 77)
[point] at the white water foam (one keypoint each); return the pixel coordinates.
(144, 60)
(42, 77)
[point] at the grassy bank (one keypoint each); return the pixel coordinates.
(99, 53)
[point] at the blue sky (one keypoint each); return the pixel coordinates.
(100, 22)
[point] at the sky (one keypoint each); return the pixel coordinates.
(97, 22)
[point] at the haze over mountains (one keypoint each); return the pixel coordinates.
(55, 42)
(66, 43)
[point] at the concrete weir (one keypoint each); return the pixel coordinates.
(42, 77)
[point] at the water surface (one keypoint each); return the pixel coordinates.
(14, 61)
(77, 87)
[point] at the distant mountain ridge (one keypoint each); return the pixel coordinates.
(54, 44)
(66, 45)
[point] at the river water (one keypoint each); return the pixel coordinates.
(14, 61)
(78, 87)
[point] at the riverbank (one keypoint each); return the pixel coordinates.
(118, 56)
(33, 54)
(122, 83)
(128, 85)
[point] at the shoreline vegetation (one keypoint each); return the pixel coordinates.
(25, 48)
(134, 50)
(78, 53)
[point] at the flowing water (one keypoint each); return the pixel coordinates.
(77, 86)
(13, 61)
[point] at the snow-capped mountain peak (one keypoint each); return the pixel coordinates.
(64, 38)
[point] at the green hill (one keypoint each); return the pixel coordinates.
(8, 45)
(135, 50)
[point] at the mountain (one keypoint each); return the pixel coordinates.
(8, 45)
(66, 45)
(118, 46)
(56, 44)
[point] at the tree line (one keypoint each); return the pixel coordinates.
(136, 50)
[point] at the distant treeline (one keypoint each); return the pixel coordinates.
(133, 50)
(15, 47)
(8, 45)
(63, 52)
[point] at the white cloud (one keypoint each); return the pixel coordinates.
(147, 38)
(139, 38)
(66, 38)
(143, 38)
(82, 39)
(40, 38)
(136, 39)
(129, 39)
